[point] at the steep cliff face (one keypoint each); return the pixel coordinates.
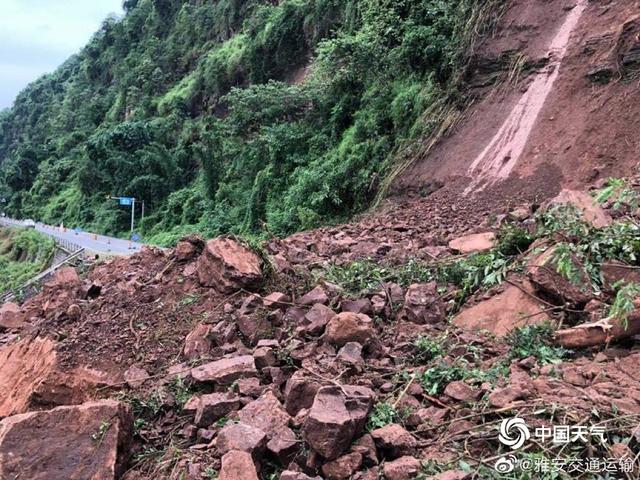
(555, 88)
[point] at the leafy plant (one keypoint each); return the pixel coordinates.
(624, 303)
(427, 349)
(383, 414)
(535, 341)
(514, 240)
(619, 192)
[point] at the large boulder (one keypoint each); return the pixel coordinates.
(514, 307)
(225, 371)
(228, 266)
(586, 205)
(337, 416)
(89, 441)
(348, 327)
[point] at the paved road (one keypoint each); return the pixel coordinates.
(91, 242)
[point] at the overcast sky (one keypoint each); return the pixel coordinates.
(38, 35)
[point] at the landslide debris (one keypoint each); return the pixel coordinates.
(261, 366)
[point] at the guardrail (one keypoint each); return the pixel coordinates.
(72, 250)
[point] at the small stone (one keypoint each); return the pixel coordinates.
(342, 468)
(393, 440)
(317, 295)
(135, 376)
(348, 327)
(461, 391)
(214, 406)
(242, 437)
(404, 468)
(225, 371)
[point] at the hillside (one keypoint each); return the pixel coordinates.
(236, 116)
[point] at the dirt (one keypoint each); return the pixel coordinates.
(586, 129)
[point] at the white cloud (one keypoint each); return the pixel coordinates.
(36, 36)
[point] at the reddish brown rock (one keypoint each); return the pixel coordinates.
(542, 271)
(615, 272)
(348, 327)
(300, 391)
(591, 211)
(238, 465)
(503, 397)
(214, 406)
(461, 391)
(74, 312)
(342, 468)
(315, 320)
(189, 248)
(225, 371)
(504, 312)
(135, 376)
(264, 357)
(336, 417)
(67, 443)
(351, 354)
(65, 277)
(277, 300)
(361, 305)
(227, 265)
(283, 445)
(393, 440)
(451, 475)
(478, 242)
(242, 437)
(291, 475)
(366, 447)
(265, 413)
(10, 317)
(197, 343)
(404, 468)
(317, 295)
(423, 305)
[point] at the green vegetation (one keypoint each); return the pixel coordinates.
(535, 341)
(23, 254)
(383, 414)
(239, 116)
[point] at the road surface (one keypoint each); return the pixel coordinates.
(92, 243)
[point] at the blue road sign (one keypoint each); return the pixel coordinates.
(135, 237)
(126, 200)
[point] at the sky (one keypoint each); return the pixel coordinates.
(36, 36)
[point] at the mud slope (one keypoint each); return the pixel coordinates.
(556, 89)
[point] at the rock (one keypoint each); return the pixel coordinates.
(586, 205)
(241, 437)
(228, 266)
(299, 392)
(189, 248)
(252, 321)
(197, 343)
(336, 417)
(348, 327)
(264, 357)
(135, 376)
(277, 300)
(362, 305)
(238, 465)
(542, 271)
(451, 475)
(393, 440)
(461, 391)
(225, 371)
(65, 277)
(265, 413)
(250, 387)
(74, 312)
(503, 397)
(351, 353)
(291, 475)
(366, 447)
(89, 441)
(478, 242)
(317, 295)
(342, 468)
(10, 317)
(214, 406)
(614, 272)
(283, 445)
(404, 468)
(315, 320)
(504, 312)
(423, 304)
